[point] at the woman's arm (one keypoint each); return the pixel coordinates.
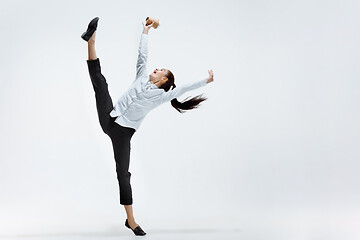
(178, 91)
(143, 51)
(142, 55)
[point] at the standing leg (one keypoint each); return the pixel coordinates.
(130, 216)
(104, 104)
(121, 140)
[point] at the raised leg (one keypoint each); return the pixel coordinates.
(91, 47)
(104, 102)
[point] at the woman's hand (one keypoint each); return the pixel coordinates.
(211, 77)
(146, 28)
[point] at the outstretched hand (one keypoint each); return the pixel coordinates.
(211, 76)
(146, 28)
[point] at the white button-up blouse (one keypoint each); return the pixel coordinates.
(143, 96)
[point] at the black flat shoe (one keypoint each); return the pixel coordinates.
(90, 30)
(137, 231)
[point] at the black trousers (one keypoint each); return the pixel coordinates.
(120, 135)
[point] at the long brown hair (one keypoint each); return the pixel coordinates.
(185, 105)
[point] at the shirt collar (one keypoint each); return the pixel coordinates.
(151, 85)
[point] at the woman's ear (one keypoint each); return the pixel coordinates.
(164, 80)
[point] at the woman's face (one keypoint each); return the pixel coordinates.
(159, 73)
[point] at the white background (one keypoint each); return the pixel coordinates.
(272, 154)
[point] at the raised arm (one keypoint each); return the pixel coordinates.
(178, 91)
(143, 51)
(142, 55)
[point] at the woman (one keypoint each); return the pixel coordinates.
(120, 121)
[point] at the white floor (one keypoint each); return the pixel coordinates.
(253, 233)
(158, 235)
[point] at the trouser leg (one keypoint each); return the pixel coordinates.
(104, 104)
(121, 139)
